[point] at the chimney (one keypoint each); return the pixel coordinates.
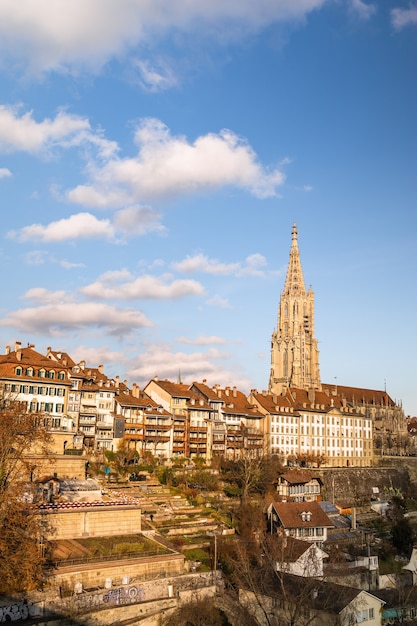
(101, 369)
(117, 382)
(18, 350)
(7, 351)
(353, 518)
(312, 395)
(234, 392)
(227, 390)
(82, 365)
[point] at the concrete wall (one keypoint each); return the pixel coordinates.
(106, 521)
(96, 574)
(63, 465)
(135, 602)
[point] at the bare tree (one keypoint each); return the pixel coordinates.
(22, 558)
(199, 612)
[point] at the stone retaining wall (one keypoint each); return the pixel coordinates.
(89, 521)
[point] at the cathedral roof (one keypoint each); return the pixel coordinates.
(357, 396)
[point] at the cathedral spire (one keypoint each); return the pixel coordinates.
(294, 349)
(294, 283)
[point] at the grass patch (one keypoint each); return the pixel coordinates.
(92, 548)
(201, 555)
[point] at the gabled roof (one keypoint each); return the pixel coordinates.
(176, 390)
(318, 595)
(300, 477)
(290, 549)
(141, 401)
(290, 515)
(61, 357)
(271, 403)
(206, 391)
(28, 358)
(357, 395)
(236, 403)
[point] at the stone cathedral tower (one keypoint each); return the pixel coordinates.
(294, 350)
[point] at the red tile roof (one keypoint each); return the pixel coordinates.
(290, 513)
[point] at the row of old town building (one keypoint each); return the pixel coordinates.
(85, 410)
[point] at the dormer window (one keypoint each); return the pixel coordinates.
(18, 371)
(41, 373)
(29, 371)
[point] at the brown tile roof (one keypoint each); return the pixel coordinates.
(144, 402)
(289, 514)
(290, 549)
(207, 391)
(271, 403)
(300, 477)
(26, 358)
(318, 595)
(358, 396)
(62, 357)
(236, 403)
(177, 390)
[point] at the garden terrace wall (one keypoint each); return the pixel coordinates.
(84, 519)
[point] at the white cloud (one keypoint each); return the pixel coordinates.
(23, 133)
(60, 315)
(40, 294)
(138, 220)
(202, 340)
(4, 172)
(36, 257)
(168, 166)
(219, 302)
(254, 265)
(155, 76)
(143, 287)
(71, 36)
(68, 265)
(162, 361)
(94, 356)
(79, 226)
(201, 263)
(404, 17)
(363, 10)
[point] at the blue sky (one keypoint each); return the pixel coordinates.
(154, 155)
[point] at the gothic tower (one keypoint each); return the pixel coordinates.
(294, 350)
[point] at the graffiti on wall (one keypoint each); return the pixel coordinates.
(125, 595)
(19, 611)
(118, 596)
